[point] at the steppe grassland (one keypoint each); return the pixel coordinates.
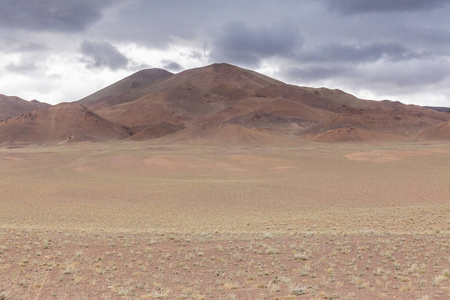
(136, 220)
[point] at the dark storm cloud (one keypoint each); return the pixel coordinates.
(248, 46)
(171, 65)
(383, 6)
(101, 55)
(50, 15)
(334, 52)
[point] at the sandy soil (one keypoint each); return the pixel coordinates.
(135, 220)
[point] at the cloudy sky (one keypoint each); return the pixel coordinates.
(63, 50)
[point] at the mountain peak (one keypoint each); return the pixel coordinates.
(113, 92)
(153, 72)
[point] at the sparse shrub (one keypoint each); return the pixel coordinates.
(272, 251)
(160, 294)
(272, 287)
(298, 290)
(446, 273)
(301, 256)
(123, 291)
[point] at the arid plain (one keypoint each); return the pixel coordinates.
(145, 220)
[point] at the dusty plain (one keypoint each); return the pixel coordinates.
(136, 220)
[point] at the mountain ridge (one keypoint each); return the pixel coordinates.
(222, 102)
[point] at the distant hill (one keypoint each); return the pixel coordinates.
(11, 106)
(442, 109)
(65, 122)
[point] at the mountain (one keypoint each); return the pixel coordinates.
(176, 99)
(214, 101)
(11, 106)
(223, 104)
(60, 123)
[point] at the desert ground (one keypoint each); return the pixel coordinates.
(140, 220)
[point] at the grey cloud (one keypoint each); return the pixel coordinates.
(401, 78)
(398, 78)
(196, 54)
(312, 73)
(31, 47)
(22, 68)
(171, 65)
(154, 23)
(101, 55)
(50, 15)
(434, 39)
(247, 46)
(135, 66)
(408, 74)
(381, 6)
(158, 23)
(334, 52)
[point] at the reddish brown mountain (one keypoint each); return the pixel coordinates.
(225, 104)
(61, 123)
(177, 99)
(11, 106)
(210, 102)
